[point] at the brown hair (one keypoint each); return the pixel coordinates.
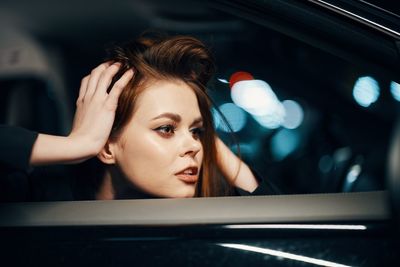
(184, 58)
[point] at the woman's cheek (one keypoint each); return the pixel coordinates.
(148, 153)
(159, 149)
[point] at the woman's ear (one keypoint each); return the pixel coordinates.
(107, 154)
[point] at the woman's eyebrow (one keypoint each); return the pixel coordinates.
(197, 121)
(177, 118)
(172, 116)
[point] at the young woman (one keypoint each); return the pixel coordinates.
(146, 115)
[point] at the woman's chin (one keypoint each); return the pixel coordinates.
(184, 192)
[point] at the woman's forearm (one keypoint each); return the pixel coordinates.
(51, 149)
(234, 168)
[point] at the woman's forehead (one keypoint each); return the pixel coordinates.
(167, 97)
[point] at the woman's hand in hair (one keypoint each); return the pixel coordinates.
(95, 108)
(94, 117)
(233, 168)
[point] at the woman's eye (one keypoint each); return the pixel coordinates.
(198, 131)
(166, 130)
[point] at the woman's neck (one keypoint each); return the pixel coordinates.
(114, 185)
(106, 189)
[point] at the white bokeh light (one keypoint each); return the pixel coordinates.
(254, 96)
(366, 91)
(222, 80)
(257, 98)
(274, 118)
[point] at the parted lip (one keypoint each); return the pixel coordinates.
(191, 177)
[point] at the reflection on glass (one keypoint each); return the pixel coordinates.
(366, 91)
(353, 175)
(281, 254)
(342, 154)
(222, 80)
(298, 226)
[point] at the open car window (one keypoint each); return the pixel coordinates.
(332, 137)
(330, 76)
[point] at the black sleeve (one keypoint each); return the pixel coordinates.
(265, 187)
(16, 146)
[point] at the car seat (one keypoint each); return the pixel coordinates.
(31, 84)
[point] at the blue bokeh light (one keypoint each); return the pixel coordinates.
(284, 143)
(247, 149)
(294, 114)
(366, 91)
(395, 90)
(235, 116)
(325, 164)
(216, 117)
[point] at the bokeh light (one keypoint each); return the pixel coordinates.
(293, 114)
(235, 116)
(325, 164)
(247, 149)
(366, 91)
(222, 80)
(254, 96)
(395, 90)
(258, 99)
(272, 120)
(283, 143)
(353, 174)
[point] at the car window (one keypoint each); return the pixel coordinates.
(333, 134)
(339, 109)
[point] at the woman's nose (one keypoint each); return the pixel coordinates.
(191, 146)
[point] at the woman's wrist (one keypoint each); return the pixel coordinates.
(84, 146)
(246, 179)
(233, 168)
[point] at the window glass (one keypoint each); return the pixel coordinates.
(327, 123)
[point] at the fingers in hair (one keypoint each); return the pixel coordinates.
(118, 87)
(94, 79)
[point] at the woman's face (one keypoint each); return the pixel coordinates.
(159, 151)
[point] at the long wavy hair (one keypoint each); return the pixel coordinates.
(160, 57)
